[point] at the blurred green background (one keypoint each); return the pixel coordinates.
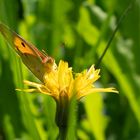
(77, 32)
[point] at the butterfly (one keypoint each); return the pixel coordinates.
(37, 61)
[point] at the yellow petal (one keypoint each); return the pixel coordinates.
(94, 90)
(27, 90)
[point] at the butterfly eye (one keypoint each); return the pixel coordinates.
(22, 44)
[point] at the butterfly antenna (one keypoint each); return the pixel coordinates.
(115, 30)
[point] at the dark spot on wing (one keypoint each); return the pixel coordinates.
(22, 44)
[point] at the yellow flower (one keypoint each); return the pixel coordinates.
(61, 83)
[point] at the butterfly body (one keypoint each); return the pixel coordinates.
(38, 62)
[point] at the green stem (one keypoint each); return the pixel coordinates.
(115, 30)
(62, 133)
(62, 112)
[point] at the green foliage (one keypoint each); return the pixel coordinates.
(77, 32)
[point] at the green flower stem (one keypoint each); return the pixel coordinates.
(62, 111)
(62, 133)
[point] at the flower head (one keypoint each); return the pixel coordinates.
(61, 82)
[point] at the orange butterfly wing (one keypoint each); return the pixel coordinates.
(35, 60)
